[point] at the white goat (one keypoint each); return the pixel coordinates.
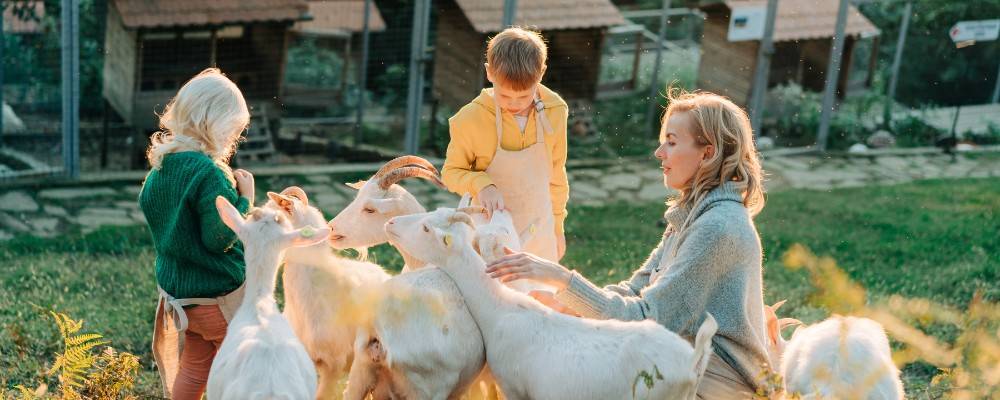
(261, 358)
(423, 342)
(536, 353)
(839, 357)
(325, 295)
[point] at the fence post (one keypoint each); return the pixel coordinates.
(832, 75)
(362, 75)
(763, 69)
(71, 87)
(655, 79)
(896, 60)
(421, 14)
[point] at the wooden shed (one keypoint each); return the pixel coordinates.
(154, 46)
(803, 33)
(336, 25)
(574, 30)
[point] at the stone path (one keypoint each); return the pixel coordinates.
(46, 212)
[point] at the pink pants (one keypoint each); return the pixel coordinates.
(206, 329)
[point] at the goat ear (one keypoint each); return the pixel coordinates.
(356, 185)
(229, 214)
(282, 201)
(307, 236)
(384, 206)
(466, 200)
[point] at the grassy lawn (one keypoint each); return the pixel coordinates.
(932, 239)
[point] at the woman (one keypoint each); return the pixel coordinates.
(709, 260)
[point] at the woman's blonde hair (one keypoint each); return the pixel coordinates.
(719, 122)
(208, 114)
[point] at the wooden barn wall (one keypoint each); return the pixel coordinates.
(726, 68)
(458, 59)
(268, 46)
(574, 62)
(119, 65)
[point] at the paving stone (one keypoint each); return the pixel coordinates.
(4, 236)
(92, 218)
(44, 224)
(620, 181)
(651, 192)
(55, 210)
(586, 191)
(12, 223)
(138, 216)
(75, 193)
(17, 201)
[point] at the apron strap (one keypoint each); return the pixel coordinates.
(499, 123)
(176, 307)
(542, 125)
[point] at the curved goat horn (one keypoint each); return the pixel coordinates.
(405, 161)
(296, 192)
(462, 217)
(408, 172)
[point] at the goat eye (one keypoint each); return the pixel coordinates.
(368, 211)
(426, 229)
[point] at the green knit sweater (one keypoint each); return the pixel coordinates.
(196, 254)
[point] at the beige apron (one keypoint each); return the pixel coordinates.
(169, 327)
(523, 179)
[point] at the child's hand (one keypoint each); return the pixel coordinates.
(491, 199)
(244, 184)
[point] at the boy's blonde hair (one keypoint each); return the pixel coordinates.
(718, 122)
(516, 57)
(208, 114)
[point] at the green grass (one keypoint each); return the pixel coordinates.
(933, 239)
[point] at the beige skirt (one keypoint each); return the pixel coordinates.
(721, 381)
(170, 324)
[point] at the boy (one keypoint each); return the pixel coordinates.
(508, 146)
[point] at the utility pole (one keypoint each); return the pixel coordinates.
(896, 59)
(362, 75)
(71, 87)
(763, 68)
(509, 12)
(832, 75)
(415, 98)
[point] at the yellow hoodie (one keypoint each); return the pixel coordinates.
(474, 142)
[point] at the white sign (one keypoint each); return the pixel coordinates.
(979, 31)
(747, 23)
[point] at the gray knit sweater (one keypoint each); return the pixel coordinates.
(713, 265)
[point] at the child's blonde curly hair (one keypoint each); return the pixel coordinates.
(208, 114)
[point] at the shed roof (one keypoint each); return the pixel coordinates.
(811, 19)
(486, 15)
(336, 17)
(165, 13)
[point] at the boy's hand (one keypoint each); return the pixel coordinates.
(491, 199)
(244, 184)
(560, 246)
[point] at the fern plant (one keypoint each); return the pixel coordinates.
(77, 358)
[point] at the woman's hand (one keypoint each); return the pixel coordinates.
(244, 184)
(491, 199)
(513, 266)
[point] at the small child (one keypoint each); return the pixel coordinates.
(199, 261)
(508, 146)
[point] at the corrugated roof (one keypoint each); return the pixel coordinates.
(811, 19)
(163, 13)
(336, 17)
(486, 15)
(30, 23)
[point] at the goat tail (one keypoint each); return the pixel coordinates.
(703, 346)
